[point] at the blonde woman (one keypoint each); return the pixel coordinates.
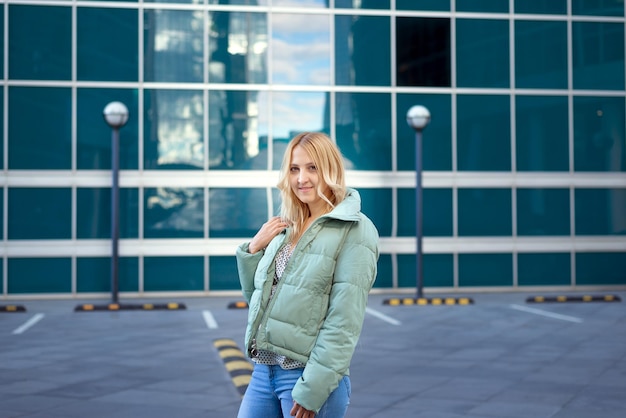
(306, 276)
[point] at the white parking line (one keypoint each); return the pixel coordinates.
(32, 321)
(382, 316)
(548, 314)
(209, 319)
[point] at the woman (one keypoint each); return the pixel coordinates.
(306, 276)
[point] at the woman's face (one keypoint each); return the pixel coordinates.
(304, 179)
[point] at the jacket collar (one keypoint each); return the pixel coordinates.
(348, 209)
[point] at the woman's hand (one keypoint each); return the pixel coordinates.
(268, 231)
(298, 411)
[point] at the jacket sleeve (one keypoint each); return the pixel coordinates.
(246, 266)
(330, 358)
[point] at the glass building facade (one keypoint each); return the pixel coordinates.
(524, 159)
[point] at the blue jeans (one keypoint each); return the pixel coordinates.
(269, 394)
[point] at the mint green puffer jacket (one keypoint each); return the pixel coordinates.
(317, 312)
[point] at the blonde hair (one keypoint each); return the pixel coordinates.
(329, 162)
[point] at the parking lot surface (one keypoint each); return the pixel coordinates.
(497, 357)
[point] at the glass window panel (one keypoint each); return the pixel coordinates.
(434, 5)
(295, 112)
(436, 212)
(484, 212)
(600, 211)
(237, 2)
(600, 268)
(2, 49)
(2, 213)
(364, 130)
(174, 129)
(173, 45)
(39, 213)
(172, 274)
(40, 128)
(173, 212)
(484, 133)
(223, 273)
(437, 270)
(107, 44)
(384, 273)
(237, 212)
(543, 212)
(485, 270)
(39, 275)
(489, 6)
(94, 213)
(598, 7)
(300, 3)
(93, 274)
(423, 52)
(363, 4)
(95, 136)
(477, 65)
(541, 133)
(238, 47)
(540, 54)
(2, 128)
(599, 141)
(362, 50)
(40, 42)
(598, 55)
(238, 129)
(544, 269)
(300, 49)
(541, 6)
(436, 138)
(376, 204)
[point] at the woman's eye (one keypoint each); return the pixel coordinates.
(293, 169)
(313, 168)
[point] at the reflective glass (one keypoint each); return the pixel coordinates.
(599, 140)
(436, 212)
(484, 133)
(40, 128)
(423, 52)
(540, 54)
(2, 214)
(40, 42)
(598, 55)
(300, 3)
(543, 212)
(598, 7)
(543, 269)
(39, 275)
(238, 47)
(364, 130)
(94, 213)
(300, 49)
(600, 268)
(237, 212)
(2, 49)
(541, 6)
(384, 273)
(362, 50)
(237, 2)
(363, 4)
(107, 44)
(223, 273)
(541, 133)
(173, 129)
(163, 274)
(376, 204)
(295, 112)
(477, 65)
(173, 45)
(484, 212)
(436, 137)
(485, 270)
(488, 6)
(39, 213)
(238, 129)
(2, 129)
(437, 270)
(600, 211)
(173, 212)
(94, 136)
(93, 274)
(434, 5)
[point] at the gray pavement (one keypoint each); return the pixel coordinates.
(500, 357)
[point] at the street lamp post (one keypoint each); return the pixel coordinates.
(418, 117)
(116, 115)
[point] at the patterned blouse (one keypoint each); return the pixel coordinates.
(269, 357)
